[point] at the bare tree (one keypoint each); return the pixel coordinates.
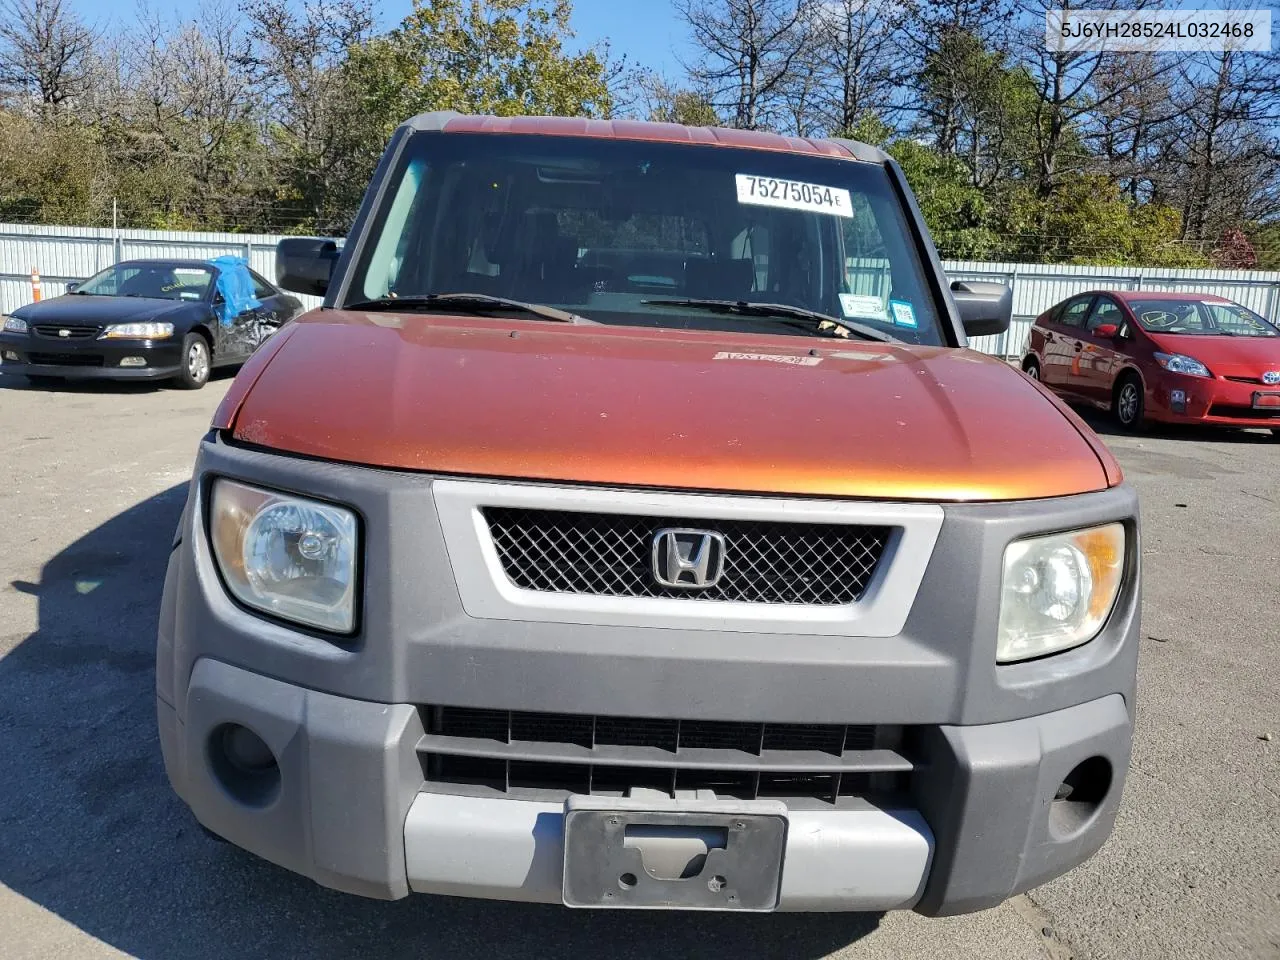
(933, 31)
(747, 51)
(1067, 94)
(1133, 128)
(651, 96)
(45, 52)
(1227, 148)
(802, 92)
(855, 40)
(296, 60)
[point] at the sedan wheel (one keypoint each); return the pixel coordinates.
(195, 362)
(1128, 404)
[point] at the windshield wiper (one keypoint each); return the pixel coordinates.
(477, 303)
(821, 324)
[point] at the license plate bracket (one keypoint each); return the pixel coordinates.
(618, 854)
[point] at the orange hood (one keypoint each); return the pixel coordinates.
(661, 408)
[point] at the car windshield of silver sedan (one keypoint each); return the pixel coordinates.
(154, 281)
(1201, 318)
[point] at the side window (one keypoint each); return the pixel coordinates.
(1075, 312)
(1105, 311)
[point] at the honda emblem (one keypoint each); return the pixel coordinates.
(688, 559)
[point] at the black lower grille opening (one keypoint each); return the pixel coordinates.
(726, 783)
(717, 735)
(567, 753)
(1244, 413)
(573, 777)
(636, 732)
(65, 359)
(475, 771)
(552, 728)
(468, 722)
(798, 785)
(815, 736)
(606, 779)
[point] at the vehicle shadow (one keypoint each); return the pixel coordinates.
(18, 382)
(90, 831)
(1105, 425)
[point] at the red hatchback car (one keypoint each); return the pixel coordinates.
(1170, 357)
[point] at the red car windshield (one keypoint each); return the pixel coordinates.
(650, 234)
(1200, 318)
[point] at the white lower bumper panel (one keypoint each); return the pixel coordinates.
(851, 860)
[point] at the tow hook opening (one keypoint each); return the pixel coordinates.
(1079, 797)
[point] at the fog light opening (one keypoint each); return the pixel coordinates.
(133, 361)
(1079, 797)
(244, 765)
(10, 355)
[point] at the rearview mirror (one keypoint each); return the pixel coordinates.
(72, 286)
(1108, 331)
(305, 264)
(985, 308)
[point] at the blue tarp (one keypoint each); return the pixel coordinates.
(236, 287)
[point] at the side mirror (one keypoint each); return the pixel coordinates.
(1108, 331)
(305, 264)
(985, 308)
(72, 287)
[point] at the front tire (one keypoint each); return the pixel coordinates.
(1128, 403)
(196, 362)
(1031, 369)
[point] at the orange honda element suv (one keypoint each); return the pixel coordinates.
(632, 527)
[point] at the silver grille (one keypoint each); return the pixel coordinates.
(607, 554)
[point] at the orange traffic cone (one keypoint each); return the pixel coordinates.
(35, 284)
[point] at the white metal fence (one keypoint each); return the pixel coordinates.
(62, 254)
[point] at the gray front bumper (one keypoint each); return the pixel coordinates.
(990, 745)
(352, 814)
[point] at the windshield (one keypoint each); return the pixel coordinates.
(1197, 317)
(608, 229)
(156, 281)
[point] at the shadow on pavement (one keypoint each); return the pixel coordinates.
(10, 381)
(90, 830)
(1105, 425)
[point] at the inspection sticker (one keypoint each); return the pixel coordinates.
(793, 195)
(856, 305)
(904, 315)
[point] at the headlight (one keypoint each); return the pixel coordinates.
(1057, 591)
(14, 325)
(288, 556)
(1181, 363)
(136, 331)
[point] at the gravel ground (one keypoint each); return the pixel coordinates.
(98, 859)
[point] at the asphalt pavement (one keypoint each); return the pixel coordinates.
(98, 859)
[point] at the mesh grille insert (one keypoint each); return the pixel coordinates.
(605, 554)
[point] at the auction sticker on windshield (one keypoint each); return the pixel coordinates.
(793, 195)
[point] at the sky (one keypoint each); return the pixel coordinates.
(645, 31)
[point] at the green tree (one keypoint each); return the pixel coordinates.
(503, 57)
